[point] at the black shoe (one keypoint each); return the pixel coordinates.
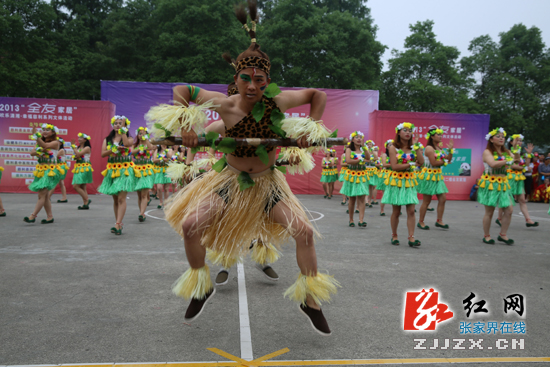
(316, 319)
(268, 272)
(222, 278)
(196, 306)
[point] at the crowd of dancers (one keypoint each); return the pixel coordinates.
(225, 209)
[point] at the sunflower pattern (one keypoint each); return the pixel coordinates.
(118, 176)
(355, 181)
(47, 174)
(495, 191)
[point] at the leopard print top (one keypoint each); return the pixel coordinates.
(249, 128)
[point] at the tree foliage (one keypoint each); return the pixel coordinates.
(64, 48)
(425, 77)
(513, 81)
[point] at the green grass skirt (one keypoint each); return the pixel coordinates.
(354, 185)
(121, 182)
(46, 176)
(82, 174)
(494, 193)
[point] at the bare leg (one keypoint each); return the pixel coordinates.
(305, 247)
(42, 195)
(426, 200)
(506, 219)
(195, 225)
(160, 193)
(351, 207)
(81, 190)
(374, 193)
(411, 219)
(63, 190)
(394, 222)
(48, 205)
(500, 213)
(143, 201)
(1, 207)
(441, 200)
(331, 188)
(121, 209)
(523, 207)
(382, 206)
(115, 205)
(489, 210)
(325, 188)
(361, 205)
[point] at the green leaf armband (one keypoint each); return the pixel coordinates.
(193, 92)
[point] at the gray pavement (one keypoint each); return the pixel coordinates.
(72, 292)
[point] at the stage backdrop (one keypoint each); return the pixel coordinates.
(346, 110)
(467, 132)
(19, 115)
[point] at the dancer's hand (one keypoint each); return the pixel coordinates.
(294, 160)
(450, 145)
(189, 138)
(34, 130)
(302, 142)
(415, 139)
(529, 148)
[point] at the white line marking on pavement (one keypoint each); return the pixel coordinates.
(246, 337)
(316, 219)
(152, 216)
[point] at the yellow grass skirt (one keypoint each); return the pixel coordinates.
(238, 217)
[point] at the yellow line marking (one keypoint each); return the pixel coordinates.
(271, 355)
(262, 361)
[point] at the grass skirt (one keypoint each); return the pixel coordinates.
(118, 177)
(342, 174)
(160, 176)
(329, 175)
(355, 183)
(374, 179)
(516, 179)
(145, 175)
(400, 189)
(244, 215)
(382, 176)
(431, 182)
(63, 168)
(46, 176)
(495, 191)
(82, 173)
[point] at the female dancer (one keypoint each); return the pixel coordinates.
(494, 188)
(400, 185)
(385, 171)
(329, 175)
(431, 181)
(373, 179)
(47, 174)
(63, 168)
(343, 171)
(143, 169)
(355, 181)
(162, 182)
(119, 176)
(516, 177)
(82, 172)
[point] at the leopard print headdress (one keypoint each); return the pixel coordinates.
(253, 57)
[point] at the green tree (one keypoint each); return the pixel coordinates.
(321, 44)
(425, 77)
(513, 81)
